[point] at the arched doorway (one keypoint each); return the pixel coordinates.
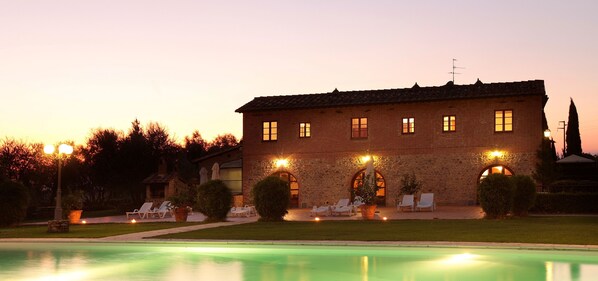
(380, 182)
(293, 185)
(495, 169)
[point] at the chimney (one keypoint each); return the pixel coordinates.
(162, 168)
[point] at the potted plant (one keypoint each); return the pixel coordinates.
(72, 205)
(367, 191)
(409, 186)
(181, 203)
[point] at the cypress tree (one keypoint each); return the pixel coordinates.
(573, 137)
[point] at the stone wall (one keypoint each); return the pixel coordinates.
(453, 178)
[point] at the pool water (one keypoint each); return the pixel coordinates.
(222, 261)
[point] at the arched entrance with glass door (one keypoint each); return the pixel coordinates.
(494, 169)
(293, 186)
(380, 182)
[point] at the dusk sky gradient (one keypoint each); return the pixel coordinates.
(67, 67)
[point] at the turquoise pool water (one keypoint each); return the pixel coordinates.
(201, 261)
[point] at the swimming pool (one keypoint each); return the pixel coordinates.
(223, 261)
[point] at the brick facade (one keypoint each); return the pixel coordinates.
(447, 163)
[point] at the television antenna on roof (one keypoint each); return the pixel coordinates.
(455, 67)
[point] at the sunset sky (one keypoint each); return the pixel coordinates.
(67, 67)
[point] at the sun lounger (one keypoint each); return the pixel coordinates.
(342, 207)
(164, 209)
(143, 212)
(426, 201)
(406, 203)
(320, 211)
(246, 211)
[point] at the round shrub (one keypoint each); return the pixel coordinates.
(14, 200)
(214, 200)
(496, 195)
(271, 198)
(524, 194)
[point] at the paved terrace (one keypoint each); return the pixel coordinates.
(442, 212)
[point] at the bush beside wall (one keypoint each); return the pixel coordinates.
(524, 194)
(214, 200)
(496, 196)
(271, 198)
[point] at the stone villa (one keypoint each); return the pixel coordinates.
(449, 136)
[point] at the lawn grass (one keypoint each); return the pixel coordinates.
(86, 230)
(546, 230)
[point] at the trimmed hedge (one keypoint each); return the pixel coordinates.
(14, 200)
(571, 203)
(271, 197)
(572, 186)
(214, 200)
(496, 196)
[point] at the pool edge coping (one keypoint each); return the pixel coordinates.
(405, 244)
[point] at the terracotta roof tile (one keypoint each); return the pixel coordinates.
(387, 96)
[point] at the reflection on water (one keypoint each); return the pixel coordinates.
(557, 271)
(195, 261)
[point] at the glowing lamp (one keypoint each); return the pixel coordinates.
(384, 218)
(133, 221)
(496, 153)
(84, 222)
(282, 162)
(48, 149)
(366, 158)
(317, 219)
(65, 149)
(547, 133)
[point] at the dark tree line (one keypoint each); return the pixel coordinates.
(109, 167)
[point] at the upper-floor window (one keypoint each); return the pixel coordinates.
(449, 123)
(304, 130)
(359, 127)
(408, 125)
(269, 131)
(503, 120)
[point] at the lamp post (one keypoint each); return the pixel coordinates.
(564, 128)
(63, 149)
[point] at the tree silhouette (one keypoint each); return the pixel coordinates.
(195, 146)
(222, 142)
(573, 137)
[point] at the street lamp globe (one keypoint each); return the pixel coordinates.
(65, 149)
(48, 149)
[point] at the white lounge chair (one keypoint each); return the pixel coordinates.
(426, 201)
(246, 211)
(320, 211)
(164, 209)
(342, 207)
(358, 201)
(406, 203)
(143, 212)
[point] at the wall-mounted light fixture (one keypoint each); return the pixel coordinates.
(281, 162)
(547, 133)
(366, 158)
(496, 153)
